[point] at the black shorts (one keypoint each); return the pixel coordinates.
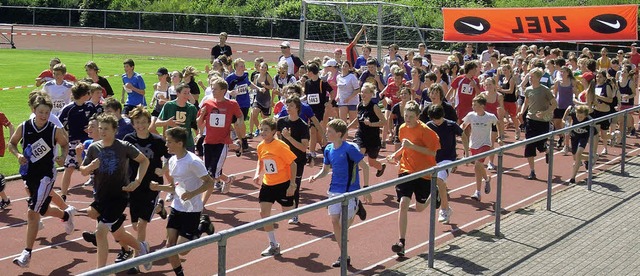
(558, 113)
(39, 190)
(577, 142)
(141, 205)
(245, 113)
(277, 193)
(111, 211)
(155, 113)
(420, 187)
(604, 125)
(266, 111)
(185, 223)
(535, 128)
(214, 157)
(371, 145)
(494, 128)
(126, 109)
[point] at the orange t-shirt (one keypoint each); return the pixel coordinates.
(276, 159)
(420, 135)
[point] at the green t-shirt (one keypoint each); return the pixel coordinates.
(539, 100)
(186, 114)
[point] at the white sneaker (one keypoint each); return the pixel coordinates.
(226, 186)
(23, 260)
(444, 215)
(68, 226)
(565, 150)
(604, 151)
(476, 195)
(294, 220)
(144, 250)
(40, 225)
(169, 198)
(491, 166)
(272, 250)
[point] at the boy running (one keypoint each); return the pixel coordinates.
(190, 179)
(39, 138)
(343, 159)
(108, 159)
(417, 152)
(579, 137)
(277, 162)
(481, 123)
(369, 120)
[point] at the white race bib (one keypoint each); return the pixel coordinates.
(544, 80)
(59, 104)
(270, 166)
(242, 89)
(38, 150)
(217, 120)
(313, 98)
(599, 91)
(467, 89)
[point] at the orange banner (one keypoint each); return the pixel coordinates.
(592, 23)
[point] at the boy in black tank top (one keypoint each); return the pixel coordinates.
(370, 119)
(39, 138)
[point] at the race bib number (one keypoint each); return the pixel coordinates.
(313, 98)
(58, 104)
(599, 91)
(270, 166)
(544, 80)
(38, 150)
(466, 89)
(217, 120)
(242, 89)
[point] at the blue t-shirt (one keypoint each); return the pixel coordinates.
(360, 61)
(447, 131)
(133, 98)
(344, 164)
(305, 112)
(75, 118)
(124, 128)
(241, 84)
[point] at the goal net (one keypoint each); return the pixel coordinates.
(327, 25)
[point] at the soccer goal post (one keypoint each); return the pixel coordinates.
(326, 25)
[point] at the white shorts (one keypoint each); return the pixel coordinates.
(336, 209)
(443, 174)
(72, 160)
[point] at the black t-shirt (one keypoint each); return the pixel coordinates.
(299, 130)
(193, 86)
(154, 148)
(216, 51)
(113, 172)
(317, 94)
(449, 112)
(447, 131)
(105, 84)
(581, 132)
(367, 112)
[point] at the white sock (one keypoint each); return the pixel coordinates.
(272, 237)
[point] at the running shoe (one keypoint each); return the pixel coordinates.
(68, 226)
(487, 185)
(398, 248)
(90, 237)
(445, 215)
(23, 260)
(491, 166)
(272, 250)
(294, 220)
(361, 212)
(532, 176)
(205, 225)
(123, 255)
(337, 263)
(380, 172)
(162, 212)
(5, 203)
(144, 250)
(476, 195)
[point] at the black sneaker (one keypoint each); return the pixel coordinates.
(3, 182)
(560, 142)
(398, 248)
(205, 225)
(572, 180)
(5, 203)
(162, 212)
(124, 255)
(380, 172)
(337, 263)
(133, 270)
(361, 212)
(90, 237)
(532, 176)
(546, 157)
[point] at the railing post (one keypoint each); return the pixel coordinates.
(623, 143)
(139, 21)
(498, 206)
(592, 152)
(33, 17)
(240, 26)
(173, 22)
(207, 20)
(344, 225)
(432, 217)
(222, 257)
(550, 172)
(69, 18)
(104, 22)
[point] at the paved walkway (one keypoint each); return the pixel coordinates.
(586, 233)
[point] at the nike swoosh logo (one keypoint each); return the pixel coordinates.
(478, 28)
(615, 26)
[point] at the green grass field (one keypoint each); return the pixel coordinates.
(21, 67)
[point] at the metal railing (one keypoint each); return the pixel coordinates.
(222, 237)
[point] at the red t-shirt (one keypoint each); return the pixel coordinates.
(635, 59)
(588, 76)
(392, 90)
(4, 122)
(47, 75)
(278, 107)
(464, 94)
(218, 119)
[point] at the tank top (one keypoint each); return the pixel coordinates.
(156, 95)
(43, 148)
(492, 107)
(565, 95)
(626, 90)
(509, 98)
(367, 112)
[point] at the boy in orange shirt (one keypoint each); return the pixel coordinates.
(419, 145)
(277, 162)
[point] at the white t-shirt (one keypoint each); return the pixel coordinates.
(186, 173)
(60, 94)
(480, 128)
(346, 86)
(291, 66)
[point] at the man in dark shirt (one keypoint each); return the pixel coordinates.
(221, 48)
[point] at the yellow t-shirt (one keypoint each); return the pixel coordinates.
(420, 135)
(276, 159)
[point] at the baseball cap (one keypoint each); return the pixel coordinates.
(162, 71)
(337, 50)
(285, 44)
(330, 63)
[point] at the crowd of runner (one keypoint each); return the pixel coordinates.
(178, 143)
